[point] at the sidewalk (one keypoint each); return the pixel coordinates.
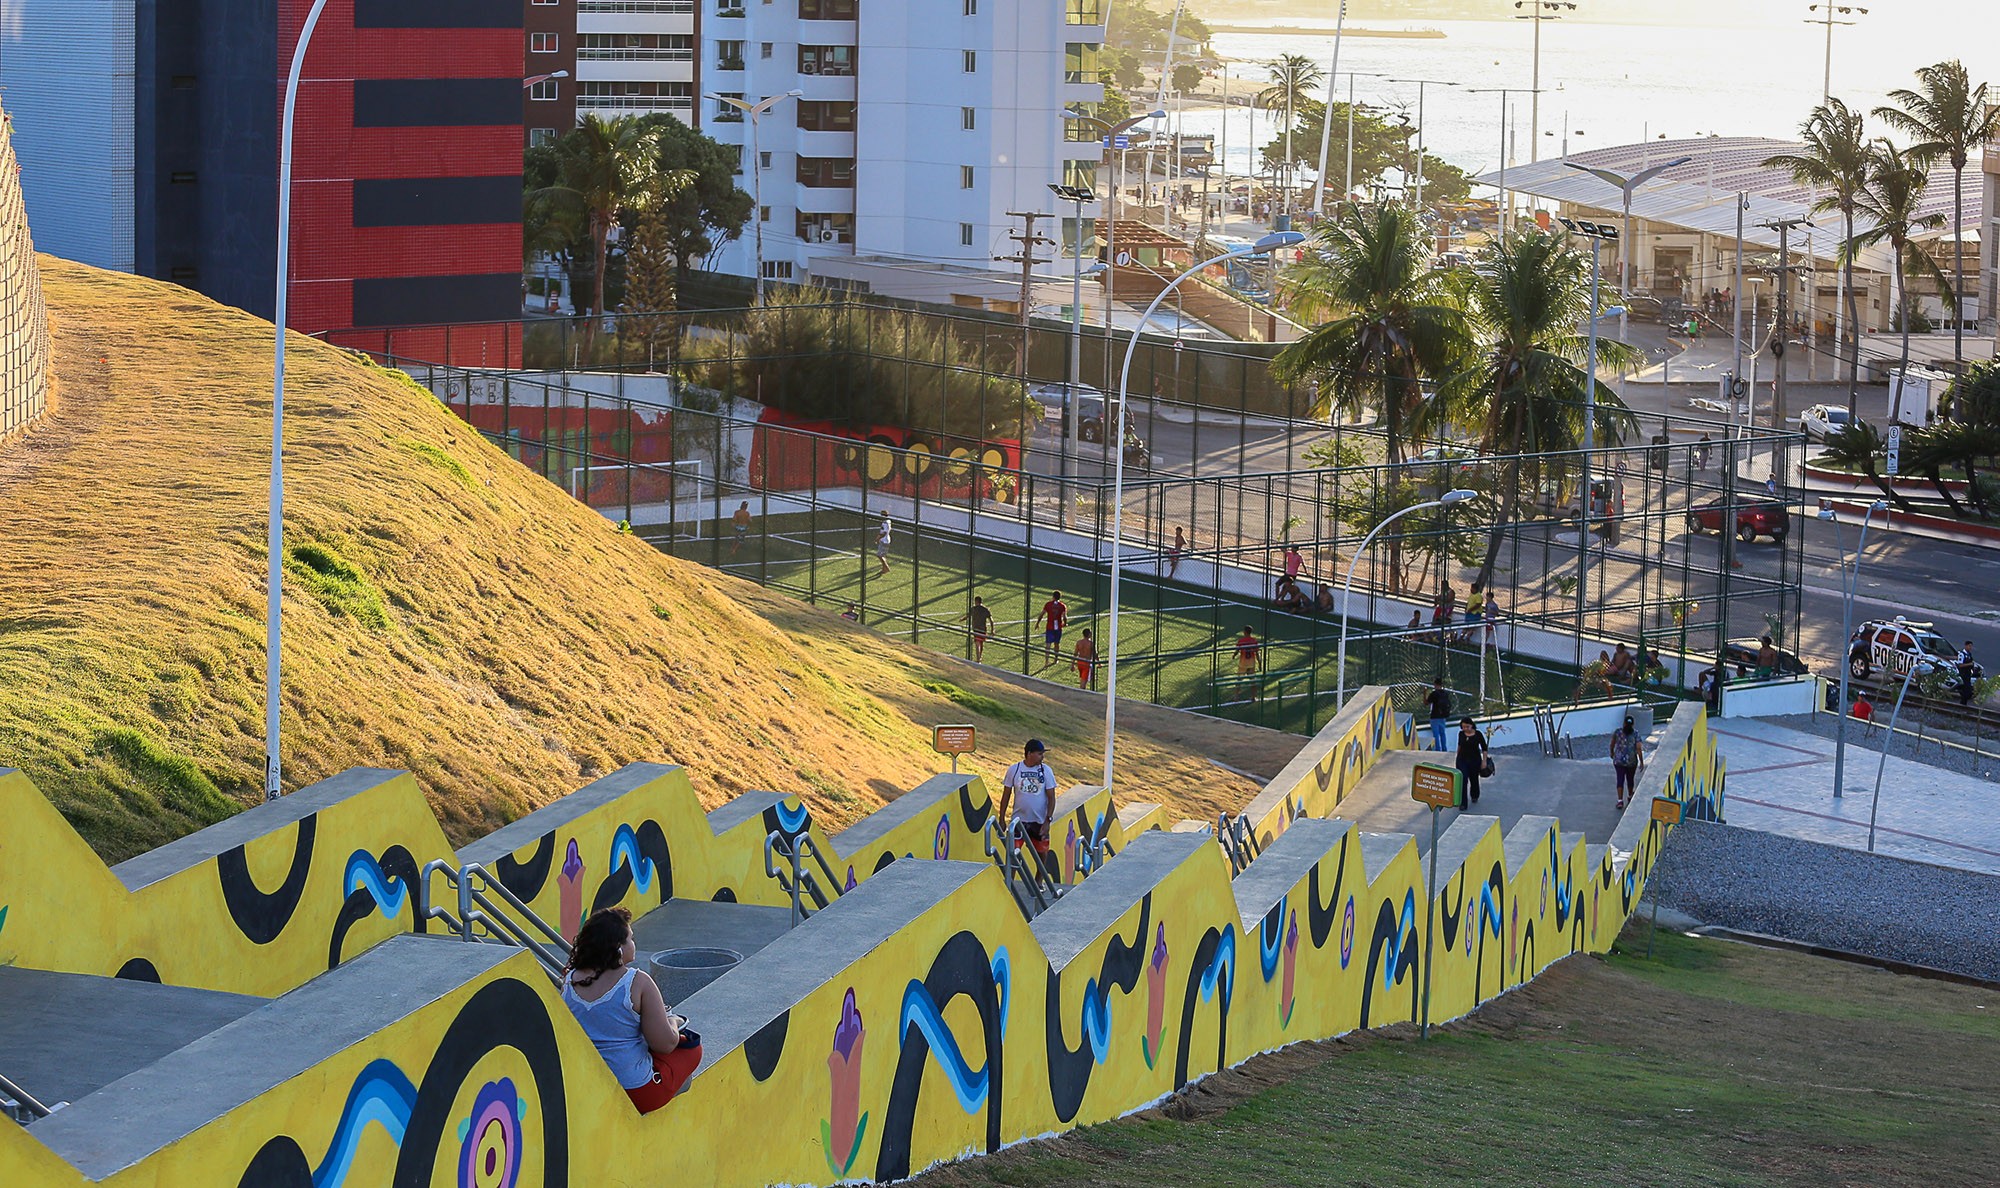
(1781, 781)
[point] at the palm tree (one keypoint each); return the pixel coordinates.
(1530, 300)
(1292, 77)
(1385, 317)
(602, 162)
(1949, 119)
(1835, 160)
(1894, 192)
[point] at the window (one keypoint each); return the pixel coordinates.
(1081, 131)
(541, 43)
(834, 60)
(727, 112)
(826, 172)
(825, 228)
(636, 96)
(965, 177)
(547, 1)
(1080, 62)
(764, 50)
(729, 8)
(763, 160)
(1083, 12)
(968, 118)
(971, 62)
(763, 214)
(827, 10)
(965, 235)
(541, 136)
(635, 47)
(777, 269)
(546, 91)
(826, 116)
(729, 55)
(971, 7)
(1080, 173)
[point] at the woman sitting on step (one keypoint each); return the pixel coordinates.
(649, 1051)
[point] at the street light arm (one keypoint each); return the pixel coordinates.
(1347, 586)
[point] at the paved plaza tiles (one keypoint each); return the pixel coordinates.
(1781, 781)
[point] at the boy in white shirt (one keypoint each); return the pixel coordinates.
(1035, 785)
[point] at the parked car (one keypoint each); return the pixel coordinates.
(1894, 646)
(1742, 656)
(1752, 520)
(1088, 404)
(1821, 421)
(1643, 307)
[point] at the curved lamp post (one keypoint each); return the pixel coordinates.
(1269, 243)
(756, 113)
(1448, 499)
(1850, 582)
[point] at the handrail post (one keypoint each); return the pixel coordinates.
(465, 908)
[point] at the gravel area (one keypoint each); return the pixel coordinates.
(1935, 916)
(1985, 764)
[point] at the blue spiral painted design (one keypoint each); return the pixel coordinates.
(1003, 980)
(793, 821)
(1221, 967)
(1271, 940)
(625, 852)
(1490, 914)
(1405, 927)
(970, 1084)
(1097, 1019)
(390, 892)
(381, 1093)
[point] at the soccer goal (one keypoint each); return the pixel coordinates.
(672, 492)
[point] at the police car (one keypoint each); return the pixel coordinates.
(1893, 646)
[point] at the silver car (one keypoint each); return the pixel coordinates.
(1821, 421)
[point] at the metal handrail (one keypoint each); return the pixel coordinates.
(24, 1101)
(802, 881)
(488, 883)
(507, 921)
(1016, 868)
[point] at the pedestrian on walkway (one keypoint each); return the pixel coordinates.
(1625, 748)
(1029, 786)
(1086, 659)
(1472, 761)
(1439, 702)
(980, 617)
(1054, 617)
(882, 535)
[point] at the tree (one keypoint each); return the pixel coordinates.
(1293, 76)
(1949, 119)
(1116, 108)
(597, 167)
(1529, 299)
(710, 209)
(1835, 160)
(650, 264)
(1187, 76)
(1891, 198)
(1856, 448)
(1379, 146)
(1135, 26)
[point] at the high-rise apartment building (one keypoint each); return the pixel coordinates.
(918, 126)
(406, 200)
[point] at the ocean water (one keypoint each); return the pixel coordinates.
(1615, 84)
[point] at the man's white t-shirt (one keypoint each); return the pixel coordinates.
(1031, 785)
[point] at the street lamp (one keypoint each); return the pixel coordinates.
(1421, 84)
(1596, 233)
(1505, 93)
(1888, 740)
(1269, 243)
(1448, 499)
(1111, 134)
(1073, 420)
(1627, 186)
(532, 79)
(1827, 14)
(1326, 117)
(1539, 11)
(1850, 580)
(756, 112)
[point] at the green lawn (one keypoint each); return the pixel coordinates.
(1710, 1064)
(1176, 641)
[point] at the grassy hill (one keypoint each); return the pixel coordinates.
(446, 611)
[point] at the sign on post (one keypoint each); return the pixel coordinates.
(1666, 810)
(1893, 460)
(1436, 786)
(953, 741)
(1118, 142)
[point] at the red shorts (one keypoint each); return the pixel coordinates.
(1038, 835)
(670, 1071)
(1083, 668)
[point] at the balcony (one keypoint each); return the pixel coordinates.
(661, 7)
(829, 10)
(826, 61)
(826, 172)
(729, 64)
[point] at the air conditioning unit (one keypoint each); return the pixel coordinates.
(828, 235)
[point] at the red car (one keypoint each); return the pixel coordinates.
(1752, 520)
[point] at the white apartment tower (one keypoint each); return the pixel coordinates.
(635, 57)
(919, 124)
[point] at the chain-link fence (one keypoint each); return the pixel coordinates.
(1651, 599)
(24, 319)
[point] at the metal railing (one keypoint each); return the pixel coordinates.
(20, 1105)
(489, 912)
(1238, 839)
(799, 882)
(1033, 885)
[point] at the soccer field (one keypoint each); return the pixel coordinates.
(1177, 641)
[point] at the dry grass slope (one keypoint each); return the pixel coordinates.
(446, 611)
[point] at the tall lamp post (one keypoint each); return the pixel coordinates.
(1539, 11)
(1421, 84)
(1850, 580)
(1627, 186)
(756, 113)
(1448, 499)
(1269, 243)
(1111, 134)
(1597, 233)
(1325, 119)
(1827, 13)
(1072, 416)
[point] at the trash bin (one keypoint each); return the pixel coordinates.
(681, 972)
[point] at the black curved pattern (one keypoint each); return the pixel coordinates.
(1320, 916)
(1527, 952)
(260, 915)
(360, 904)
(883, 860)
(764, 1047)
(526, 879)
(138, 969)
(1449, 913)
(723, 895)
(1204, 955)
(1387, 932)
(1070, 1068)
(974, 816)
(1496, 881)
(961, 967)
(501, 1014)
(278, 1164)
(652, 847)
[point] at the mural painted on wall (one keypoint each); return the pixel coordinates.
(885, 458)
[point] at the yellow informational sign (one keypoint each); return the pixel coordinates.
(952, 740)
(1666, 810)
(1439, 787)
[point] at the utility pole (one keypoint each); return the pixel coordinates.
(1028, 240)
(1827, 13)
(1784, 229)
(1539, 11)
